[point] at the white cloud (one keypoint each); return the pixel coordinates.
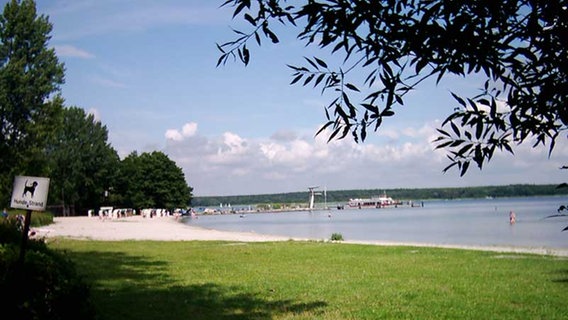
(72, 51)
(232, 154)
(188, 130)
(270, 150)
(232, 165)
(391, 134)
(501, 106)
(235, 144)
(172, 134)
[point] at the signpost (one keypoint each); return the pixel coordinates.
(29, 193)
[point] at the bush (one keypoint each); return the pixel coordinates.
(46, 287)
(38, 218)
(41, 219)
(336, 237)
(9, 233)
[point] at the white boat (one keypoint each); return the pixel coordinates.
(373, 202)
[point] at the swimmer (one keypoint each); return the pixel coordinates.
(512, 218)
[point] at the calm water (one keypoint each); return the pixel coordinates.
(457, 222)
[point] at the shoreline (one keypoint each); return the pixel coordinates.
(171, 229)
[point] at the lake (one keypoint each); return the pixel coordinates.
(477, 222)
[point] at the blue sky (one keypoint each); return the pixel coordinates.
(147, 70)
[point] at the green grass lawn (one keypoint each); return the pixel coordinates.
(314, 280)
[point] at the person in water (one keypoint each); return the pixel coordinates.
(512, 217)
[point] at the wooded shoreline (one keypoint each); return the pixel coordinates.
(333, 196)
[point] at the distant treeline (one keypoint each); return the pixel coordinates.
(342, 196)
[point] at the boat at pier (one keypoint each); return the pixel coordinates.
(373, 202)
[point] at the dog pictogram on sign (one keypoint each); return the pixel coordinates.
(30, 193)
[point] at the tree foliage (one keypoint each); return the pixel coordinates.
(82, 161)
(30, 74)
(518, 46)
(342, 196)
(151, 180)
(40, 136)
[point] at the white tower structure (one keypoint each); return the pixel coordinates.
(312, 196)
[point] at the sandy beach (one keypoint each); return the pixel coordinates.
(170, 229)
(138, 228)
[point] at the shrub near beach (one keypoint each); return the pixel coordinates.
(45, 287)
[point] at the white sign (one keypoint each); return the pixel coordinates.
(30, 193)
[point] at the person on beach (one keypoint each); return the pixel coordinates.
(512, 218)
